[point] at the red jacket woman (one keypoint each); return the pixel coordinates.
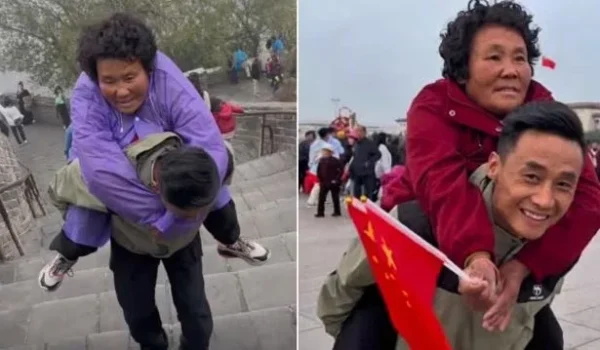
(453, 126)
(225, 116)
(448, 137)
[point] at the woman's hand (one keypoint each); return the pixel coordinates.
(498, 317)
(480, 292)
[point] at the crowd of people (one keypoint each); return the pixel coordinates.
(14, 116)
(334, 161)
(254, 69)
(498, 176)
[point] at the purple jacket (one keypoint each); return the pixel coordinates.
(100, 134)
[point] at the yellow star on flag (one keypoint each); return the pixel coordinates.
(405, 294)
(370, 232)
(388, 254)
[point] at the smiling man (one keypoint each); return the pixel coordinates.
(528, 185)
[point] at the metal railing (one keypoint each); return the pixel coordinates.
(266, 129)
(32, 194)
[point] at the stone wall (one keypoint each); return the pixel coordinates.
(280, 118)
(14, 201)
(44, 111)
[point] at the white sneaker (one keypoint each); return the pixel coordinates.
(252, 252)
(52, 275)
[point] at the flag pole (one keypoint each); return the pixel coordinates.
(457, 270)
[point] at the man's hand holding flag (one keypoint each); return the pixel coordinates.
(406, 269)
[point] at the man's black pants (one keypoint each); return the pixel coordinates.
(135, 284)
(368, 182)
(369, 322)
(335, 197)
(302, 169)
(223, 224)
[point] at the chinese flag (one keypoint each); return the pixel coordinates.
(406, 274)
(547, 62)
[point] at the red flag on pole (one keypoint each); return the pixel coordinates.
(406, 274)
(547, 62)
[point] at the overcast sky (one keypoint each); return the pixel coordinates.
(375, 56)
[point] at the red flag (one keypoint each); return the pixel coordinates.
(547, 62)
(406, 274)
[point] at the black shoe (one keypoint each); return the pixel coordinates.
(184, 345)
(161, 342)
(336, 214)
(319, 215)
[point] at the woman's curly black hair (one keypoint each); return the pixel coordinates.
(121, 36)
(457, 40)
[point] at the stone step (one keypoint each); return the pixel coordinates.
(282, 246)
(274, 189)
(254, 197)
(288, 175)
(93, 307)
(266, 329)
(265, 166)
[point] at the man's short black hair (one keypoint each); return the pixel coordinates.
(310, 133)
(323, 132)
(121, 36)
(457, 39)
(544, 116)
(380, 138)
(188, 178)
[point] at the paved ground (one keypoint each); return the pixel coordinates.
(254, 307)
(322, 242)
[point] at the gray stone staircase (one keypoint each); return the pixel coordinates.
(253, 306)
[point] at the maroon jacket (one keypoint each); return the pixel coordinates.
(448, 137)
(330, 171)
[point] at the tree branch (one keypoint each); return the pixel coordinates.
(24, 32)
(64, 9)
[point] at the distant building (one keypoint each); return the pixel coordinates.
(588, 113)
(304, 127)
(9, 81)
(402, 125)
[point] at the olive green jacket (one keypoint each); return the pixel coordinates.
(67, 188)
(344, 287)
